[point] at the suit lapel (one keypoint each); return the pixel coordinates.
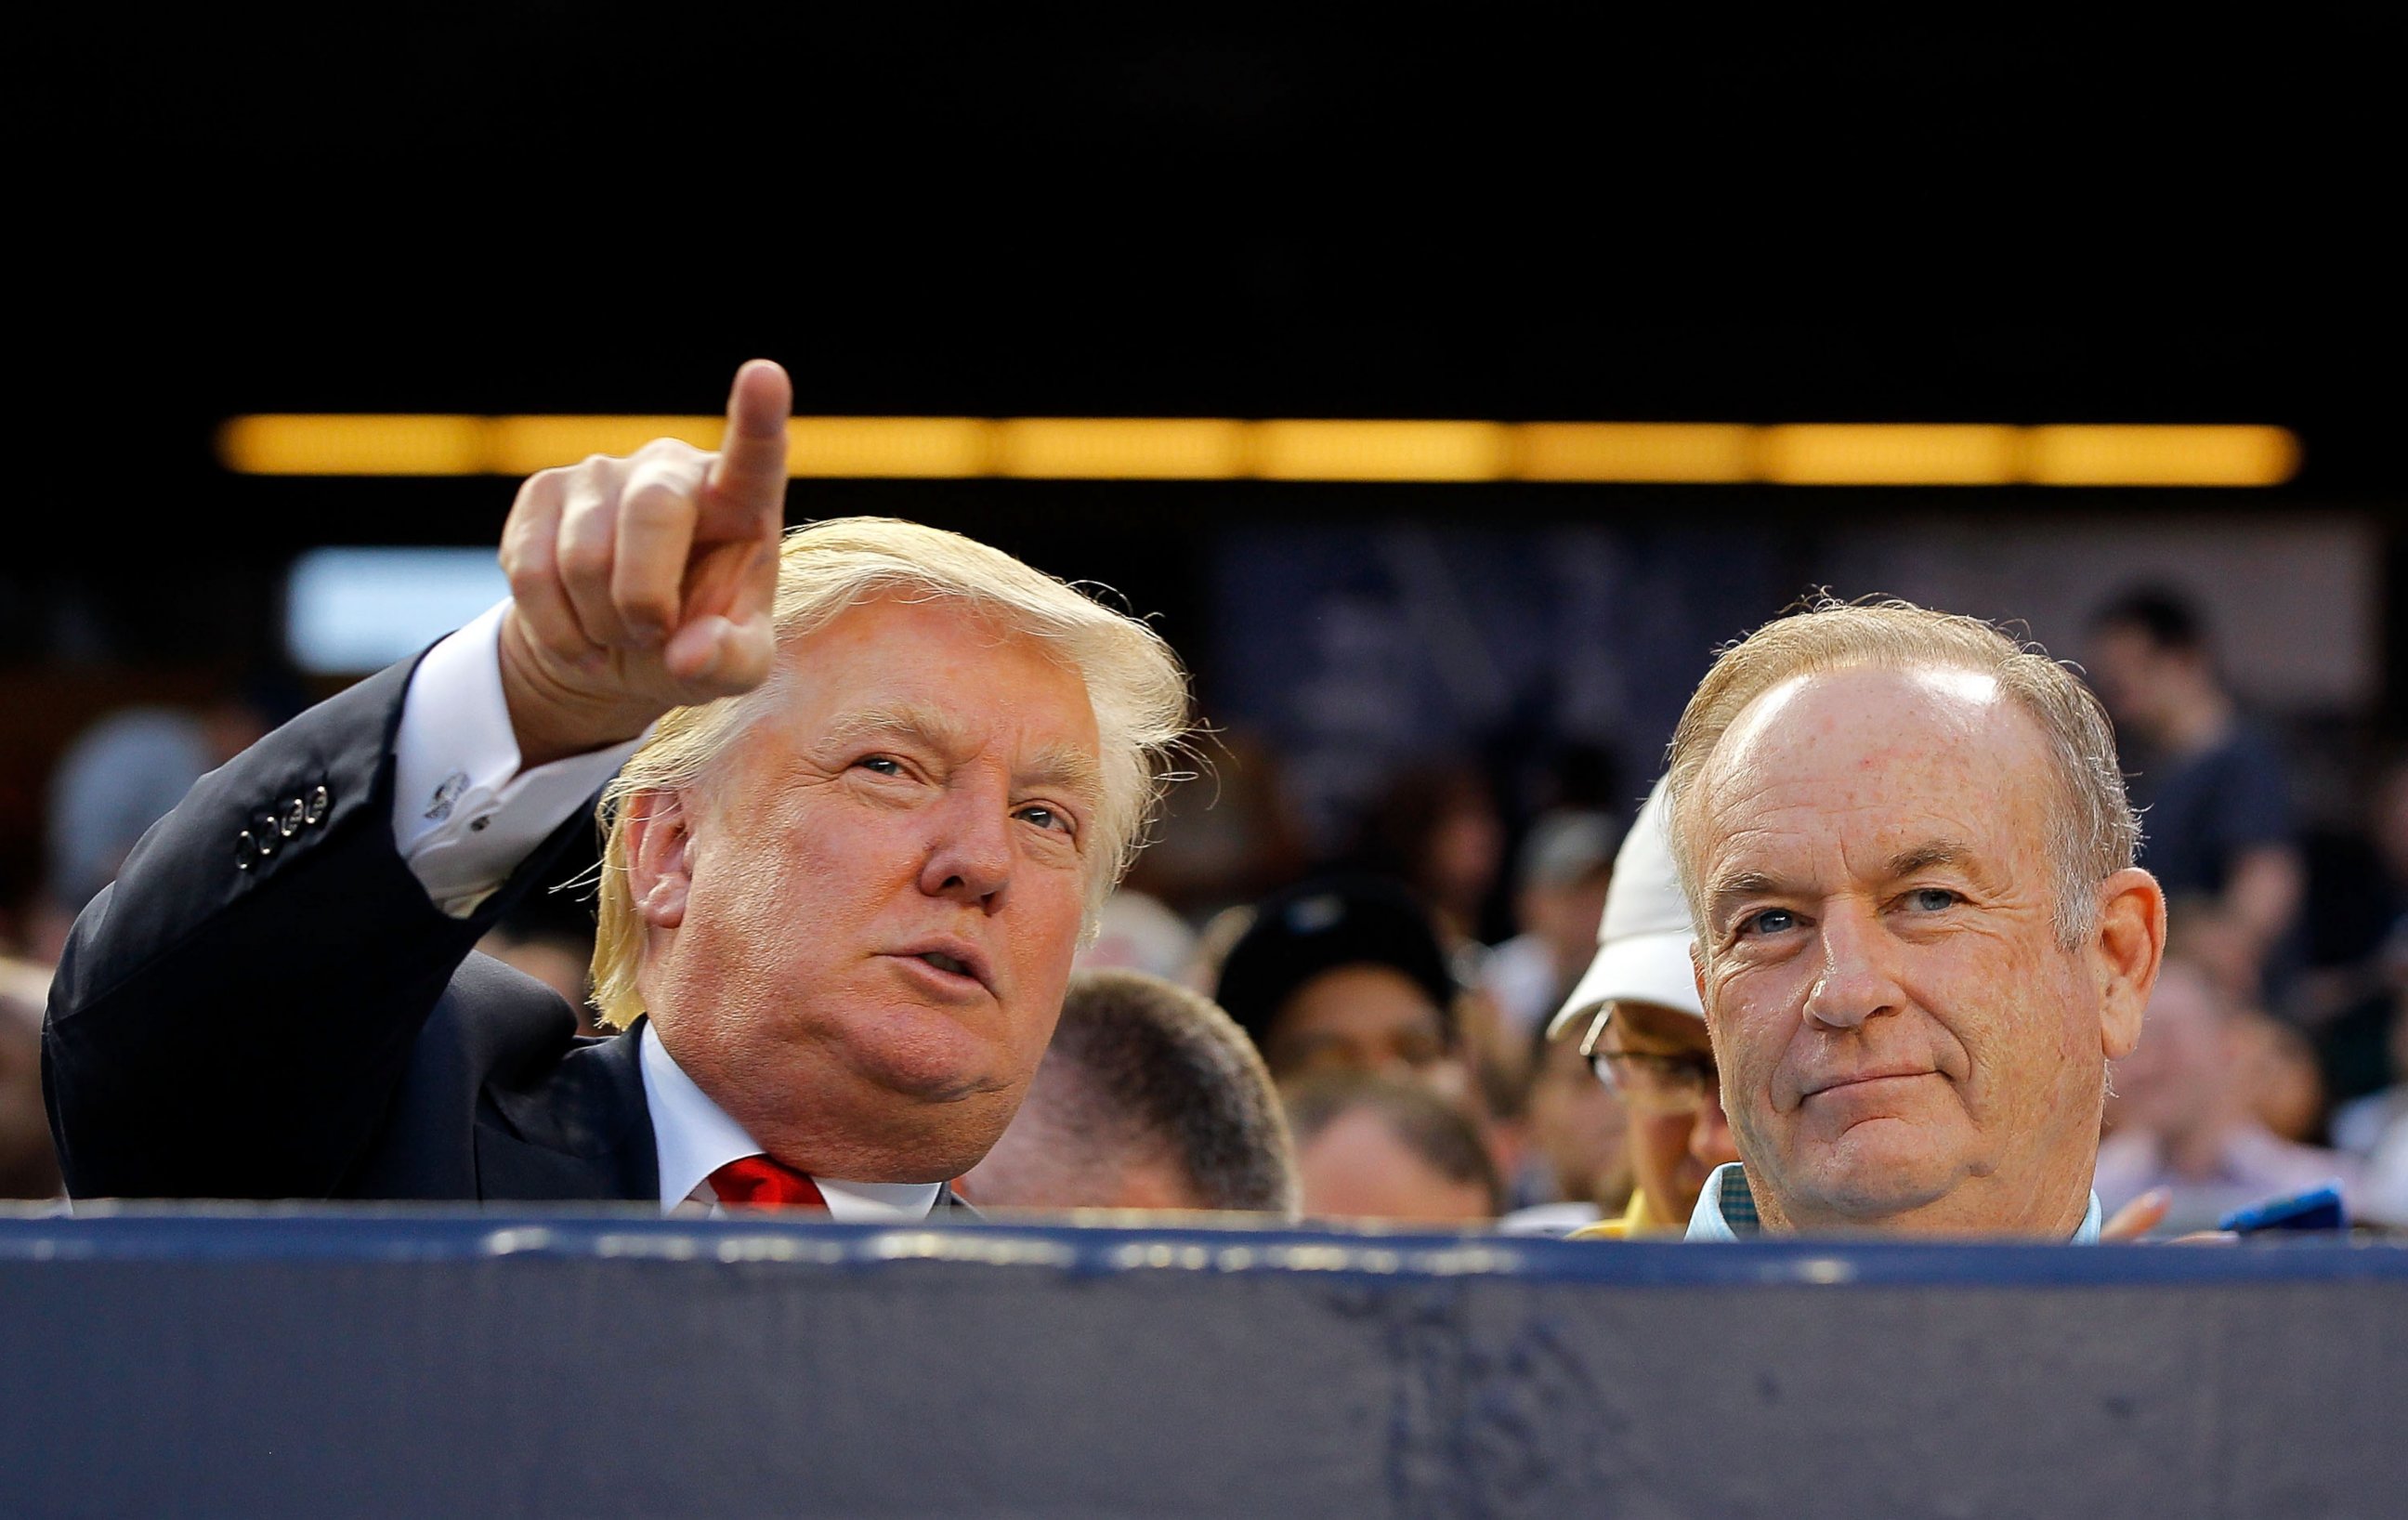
(584, 1132)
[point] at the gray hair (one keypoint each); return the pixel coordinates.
(2093, 833)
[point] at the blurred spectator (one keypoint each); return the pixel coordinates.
(1637, 1015)
(1435, 828)
(2215, 802)
(1567, 860)
(121, 775)
(1344, 974)
(1579, 1145)
(2375, 1130)
(29, 1167)
(2180, 1113)
(1224, 838)
(1374, 1147)
(1137, 933)
(2276, 1068)
(2358, 912)
(1148, 1097)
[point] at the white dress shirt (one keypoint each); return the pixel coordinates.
(465, 816)
(697, 1137)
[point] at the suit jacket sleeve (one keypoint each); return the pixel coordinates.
(232, 1017)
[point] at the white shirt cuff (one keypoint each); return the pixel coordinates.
(464, 816)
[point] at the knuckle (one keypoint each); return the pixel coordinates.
(646, 604)
(654, 500)
(521, 567)
(585, 556)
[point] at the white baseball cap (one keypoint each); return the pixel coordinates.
(1642, 942)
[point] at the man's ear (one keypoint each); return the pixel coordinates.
(659, 834)
(2125, 952)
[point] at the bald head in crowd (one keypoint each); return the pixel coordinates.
(1920, 937)
(1149, 1097)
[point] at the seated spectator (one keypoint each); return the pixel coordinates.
(1344, 975)
(1638, 1020)
(1377, 1147)
(1920, 937)
(1148, 1097)
(1434, 827)
(2181, 1114)
(2210, 785)
(1135, 932)
(1576, 1165)
(1566, 863)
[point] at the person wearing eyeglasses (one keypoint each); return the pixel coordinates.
(1646, 1034)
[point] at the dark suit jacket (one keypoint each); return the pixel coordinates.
(266, 1005)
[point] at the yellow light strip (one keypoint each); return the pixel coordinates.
(1705, 451)
(2162, 455)
(1122, 449)
(1893, 453)
(1223, 448)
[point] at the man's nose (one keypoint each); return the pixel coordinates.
(969, 854)
(1858, 979)
(1709, 1136)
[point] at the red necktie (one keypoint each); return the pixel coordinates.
(756, 1182)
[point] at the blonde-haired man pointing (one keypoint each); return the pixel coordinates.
(876, 777)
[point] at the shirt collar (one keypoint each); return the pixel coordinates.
(694, 1137)
(1726, 1211)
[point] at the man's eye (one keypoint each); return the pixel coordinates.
(1769, 921)
(1931, 899)
(1049, 819)
(885, 765)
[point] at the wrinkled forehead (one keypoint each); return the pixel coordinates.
(1924, 748)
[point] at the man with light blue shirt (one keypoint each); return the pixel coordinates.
(1921, 938)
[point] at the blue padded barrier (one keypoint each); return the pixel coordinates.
(309, 1362)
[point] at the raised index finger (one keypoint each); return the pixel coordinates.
(748, 483)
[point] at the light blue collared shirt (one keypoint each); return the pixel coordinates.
(1725, 1210)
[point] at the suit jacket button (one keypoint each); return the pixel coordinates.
(264, 829)
(290, 824)
(313, 808)
(245, 850)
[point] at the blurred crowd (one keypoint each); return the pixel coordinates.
(1398, 1029)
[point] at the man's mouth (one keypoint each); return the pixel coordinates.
(1858, 1079)
(958, 960)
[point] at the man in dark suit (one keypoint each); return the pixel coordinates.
(870, 783)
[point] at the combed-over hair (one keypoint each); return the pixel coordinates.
(1133, 680)
(2094, 832)
(1148, 1067)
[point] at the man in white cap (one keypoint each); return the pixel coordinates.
(1646, 1033)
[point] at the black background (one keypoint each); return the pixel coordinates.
(2022, 218)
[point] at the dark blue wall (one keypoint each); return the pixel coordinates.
(314, 1364)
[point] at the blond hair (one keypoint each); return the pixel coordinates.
(1134, 683)
(2094, 832)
